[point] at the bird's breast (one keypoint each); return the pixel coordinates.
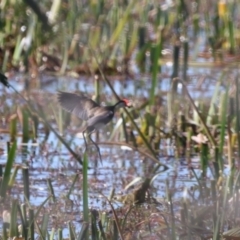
(100, 119)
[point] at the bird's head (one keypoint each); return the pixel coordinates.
(127, 103)
(124, 103)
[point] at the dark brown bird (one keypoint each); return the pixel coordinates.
(96, 116)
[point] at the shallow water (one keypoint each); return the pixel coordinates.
(51, 160)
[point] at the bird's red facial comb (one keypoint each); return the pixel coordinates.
(127, 102)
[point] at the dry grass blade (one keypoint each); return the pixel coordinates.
(233, 233)
(115, 217)
(208, 133)
(142, 152)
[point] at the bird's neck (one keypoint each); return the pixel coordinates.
(118, 105)
(115, 106)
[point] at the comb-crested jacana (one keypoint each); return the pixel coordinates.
(96, 116)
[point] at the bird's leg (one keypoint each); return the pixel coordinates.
(86, 146)
(96, 147)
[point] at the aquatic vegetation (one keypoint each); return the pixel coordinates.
(169, 165)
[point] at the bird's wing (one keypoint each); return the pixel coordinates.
(76, 104)
(100, 119)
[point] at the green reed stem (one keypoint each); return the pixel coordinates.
(13, 231)
(60, 234)
(7, 171)
(85, 189)
(5, 60)
(237, 112)
(51, 190)
(155, 53)
(185, 59)
(71, 231)
(65, 51)
(23, 216)
(231, 35)
(72, 186)
(204, 158)
(169, 200)
(26, 182)
(13, 128)
(52, 234)
(101, 229)
(94, 216)
(223, 115)
(44, 225)
(31, 223)
(84, 232)
(176, 53)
